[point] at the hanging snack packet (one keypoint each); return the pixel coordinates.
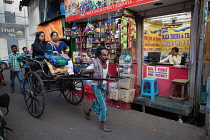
(74, 31)
(89, 29)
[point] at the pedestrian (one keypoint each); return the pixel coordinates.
(26, 67)
(102, 45)
(56, 45)
(31, 50)
(99, 69)
(15, 69)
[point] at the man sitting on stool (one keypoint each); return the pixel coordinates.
(174, 58)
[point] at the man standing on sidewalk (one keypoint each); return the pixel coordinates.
(15, 69)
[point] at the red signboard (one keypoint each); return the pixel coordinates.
(113, 7)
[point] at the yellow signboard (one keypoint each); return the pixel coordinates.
(159, 38)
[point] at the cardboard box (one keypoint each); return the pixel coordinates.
(126, 95)
(127, 83)
(206, 71)
(114, 94)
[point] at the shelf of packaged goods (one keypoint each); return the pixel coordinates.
(125, 64)
(95, 42)
(82, 42)
(111, 42)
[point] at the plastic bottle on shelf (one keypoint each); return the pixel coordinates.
(127, 69)
(127, 59)
(121, 59)
(208, 85)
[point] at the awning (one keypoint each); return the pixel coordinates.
(52, 26)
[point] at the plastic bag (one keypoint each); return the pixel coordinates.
(74, 31)
(74, 27)
(89, 29)
(69, 67)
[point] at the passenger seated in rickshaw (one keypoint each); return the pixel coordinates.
(39, 51)
(56, 45)
(1, 75)
(39, 47)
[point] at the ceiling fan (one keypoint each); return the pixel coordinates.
(173, 23)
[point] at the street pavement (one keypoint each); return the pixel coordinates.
(63, 121)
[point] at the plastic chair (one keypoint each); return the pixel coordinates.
(150, 88)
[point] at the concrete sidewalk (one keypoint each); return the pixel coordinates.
(63, 121)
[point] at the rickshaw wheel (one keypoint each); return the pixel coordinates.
(73, 91)
(34, 95)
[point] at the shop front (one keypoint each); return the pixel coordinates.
(160, 35)
(149, 29)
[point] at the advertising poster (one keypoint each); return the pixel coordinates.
(150, 71)
(159, 38)
(158, 72)
(162, 72)
(162, 38)
(177, 37)
(152, 36)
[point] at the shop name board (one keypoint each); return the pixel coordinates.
(176, 36)
(113, 7)
(12, 32)
(158, 72)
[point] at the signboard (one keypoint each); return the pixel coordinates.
(150, 71)
(158, 72)
(158, 38)
(12, 32)
(74, 11)
(162, 72)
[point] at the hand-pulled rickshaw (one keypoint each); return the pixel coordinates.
(70, 86)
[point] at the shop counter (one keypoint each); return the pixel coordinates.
(165, 74)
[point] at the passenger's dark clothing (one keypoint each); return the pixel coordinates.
(39, 49)
(38, 53)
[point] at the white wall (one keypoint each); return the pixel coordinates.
(21, 16)
(3, 48)
(21, 43)
(2, 17)
(30, 38)
(34, 20)
(21, 19)
(10, 7)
